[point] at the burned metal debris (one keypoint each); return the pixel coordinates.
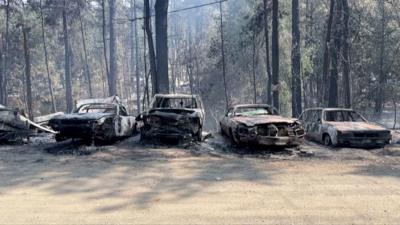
(259, 124)
(173, 116)
(333, 126)
(95, 119)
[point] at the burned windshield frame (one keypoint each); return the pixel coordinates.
(105, 107)
(343, 116)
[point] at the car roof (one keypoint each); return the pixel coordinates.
(175, 96)
(251, 105)
(330, 109)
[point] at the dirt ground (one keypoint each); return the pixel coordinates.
(210, 183)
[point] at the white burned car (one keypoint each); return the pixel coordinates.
(176, 116)
(334, 126)
(95, 119)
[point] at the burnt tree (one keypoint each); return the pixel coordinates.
(346, 56)
(67, 63)
(335, 46)
(296, 60)
(326, 59)
(150, 43)
(275, 54)
(161, 22)
(113, 75)
(267, 52)
(25, 33)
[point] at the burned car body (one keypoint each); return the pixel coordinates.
(260, 124)
(173, 116)
(12, 127)
(334, 126)
(95, 119)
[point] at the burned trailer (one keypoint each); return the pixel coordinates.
(95, 120)
(259, 124)
(343, 127)
(173, 116)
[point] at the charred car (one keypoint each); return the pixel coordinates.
(334, 127)
(95, 119)
(12, 127)
(261, 125)
(175, 116)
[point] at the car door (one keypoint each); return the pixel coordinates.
(123, 123)
(314, 126)
(225, 121)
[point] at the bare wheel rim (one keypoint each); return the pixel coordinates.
(327, 140)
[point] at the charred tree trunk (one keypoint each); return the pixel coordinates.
(104, 34)
(380, 96)
(87, 69)
(5, 60)
(335, 55)
(25, 32)
(346, 57)
(50, 85)
(223, 53)
(113, 76)
(254, 68)
(152, 55)
(161, 8)
(267, 52)
(326, 63)
(275, 54)
(136, 60)
(67, 64)
(296, 60)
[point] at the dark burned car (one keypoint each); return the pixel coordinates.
(334, 126)
(12, 127)
(95, 119)
(261, 125)
(175, 116)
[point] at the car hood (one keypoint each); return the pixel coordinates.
(256, 120)
(356, 126)
(82, 116)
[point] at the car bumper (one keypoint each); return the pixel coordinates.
(363, 142)
(273, 141)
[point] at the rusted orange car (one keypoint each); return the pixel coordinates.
(260, 124)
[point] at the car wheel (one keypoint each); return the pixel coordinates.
(327, 140)
(199, 135)
(234, 139)
(221, 131)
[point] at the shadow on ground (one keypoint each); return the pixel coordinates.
(135, 174)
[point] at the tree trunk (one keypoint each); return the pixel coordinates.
(275, 54)
(335, 54)
(346, 57)
(380, 96)
(152, 55)
(5, 60)
(136, 60)
(50, 85)
(267, 52)
(296, 60)
(25, 31)
(254, 68)
(104, 34)
(67, 69)
(161, 8)
(326, 63)
(223, 54)
(87, 69)
(113, 76)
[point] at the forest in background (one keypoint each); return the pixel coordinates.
(293, 54)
